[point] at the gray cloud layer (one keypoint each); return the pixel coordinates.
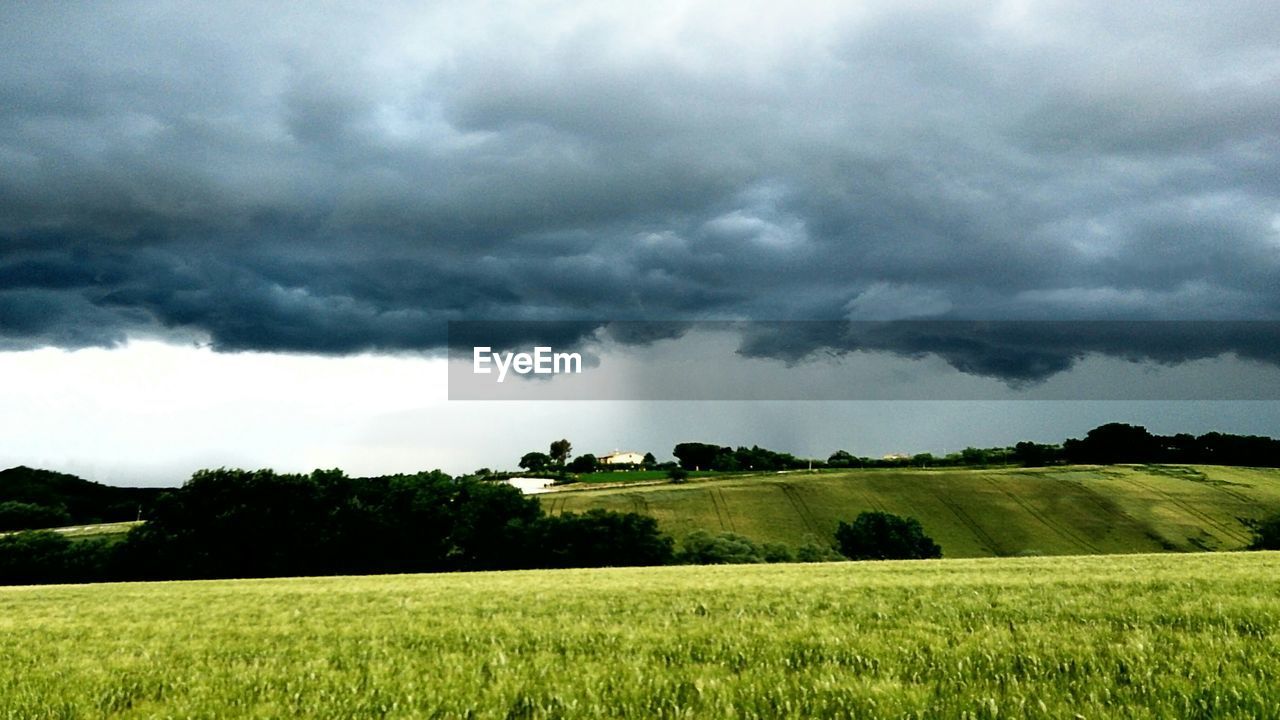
(339, 180)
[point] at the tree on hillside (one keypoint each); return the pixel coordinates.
(84, 501)
(535, 461)
(843, 459)
(42, 556)
(489, 520)
(600, 538)
(1266, 536)
(1029, 454)
(879, 535)
(237, 523)
(560, 450)
(1113, 443)
(702, 456)
(702, 548)
(29, 516)
(584, 464)
(1222, 449)
(758, 458)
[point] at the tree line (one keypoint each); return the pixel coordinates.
(1113, 443)
(237, 524)
(1104, 445)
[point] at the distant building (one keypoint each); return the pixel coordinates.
(896, 456)
(530, 486)
(622, 457)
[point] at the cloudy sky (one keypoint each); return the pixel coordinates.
(234, 233)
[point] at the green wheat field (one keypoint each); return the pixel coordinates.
(1144, 636)
(1072, 510)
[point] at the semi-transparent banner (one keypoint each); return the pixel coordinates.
(864, 360)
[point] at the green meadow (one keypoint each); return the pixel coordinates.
(624, 476)
(1076, 510)
(1138, 636)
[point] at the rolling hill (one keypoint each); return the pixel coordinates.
(84, 502)
(1075, 510)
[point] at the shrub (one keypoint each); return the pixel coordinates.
(1266, 536)
(776, 553)
(702, 548)
(816, 552)
(599, 538)
(883, 536)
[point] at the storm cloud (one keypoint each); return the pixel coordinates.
(347, 179)
(1020, 353)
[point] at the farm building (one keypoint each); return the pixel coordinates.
(622, 457)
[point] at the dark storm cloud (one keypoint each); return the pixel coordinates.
(345, 179)
(1018, 352)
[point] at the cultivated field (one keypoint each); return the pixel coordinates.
(623, 476)
(1154, 636)
(1078, 510)
(92, 531)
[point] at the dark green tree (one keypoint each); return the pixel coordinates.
(1029, 454)
(584, 464)
(30, 516)
(560, 450)
(40, 556)
(813, 551)
(702, 548)
(702, 456)
(974, 456)
(600, 538)
(237, 523)
(758, 458)
(490, 520)
(535, 461)
(879, 535)
(1114, 443)
(843, 459)
(1266, 536)
(86, 502)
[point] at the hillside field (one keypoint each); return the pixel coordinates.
(80, 532)
(616, 476)
(1141, 636)
(1077, 510)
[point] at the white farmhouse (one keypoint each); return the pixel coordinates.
(622, 457)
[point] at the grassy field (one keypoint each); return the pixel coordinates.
(1141, 636)
(76, 532)
(971, 513)
(622, 476)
